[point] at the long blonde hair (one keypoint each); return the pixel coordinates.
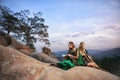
(83, 51)
(81, 47)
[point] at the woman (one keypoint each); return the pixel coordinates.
(83, 56)
(69, 58)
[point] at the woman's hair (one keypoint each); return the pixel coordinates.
(81, 46)
(72, 43)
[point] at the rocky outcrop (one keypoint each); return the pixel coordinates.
(7, 40)
(15, 65)
(44, 58)
(48, 52)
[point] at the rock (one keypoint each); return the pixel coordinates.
(3, 41)
(15, 65)
(7, 40)
(47, 51)
(44, 58)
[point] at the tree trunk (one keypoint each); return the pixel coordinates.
(28, 40)
(8, 31)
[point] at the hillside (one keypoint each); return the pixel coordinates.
(15, 65)
(108, 53)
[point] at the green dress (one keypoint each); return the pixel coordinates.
(68, 62)
(81, 60)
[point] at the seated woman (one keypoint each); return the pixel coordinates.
(83, 58)
(69, 58)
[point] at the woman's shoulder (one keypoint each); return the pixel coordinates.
(75, 49)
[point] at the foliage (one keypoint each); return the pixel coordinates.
(32, 27)
(25, 26)
(8, 22)
(110, 64)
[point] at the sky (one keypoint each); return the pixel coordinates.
(95, 22)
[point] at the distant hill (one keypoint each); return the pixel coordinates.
(60, 53)
(108, 53)
(96, 53)
(90, 51)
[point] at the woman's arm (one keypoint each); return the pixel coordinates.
(76, 54)
(88, 56)
(67, 54)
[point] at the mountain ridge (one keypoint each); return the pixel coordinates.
(96, 53)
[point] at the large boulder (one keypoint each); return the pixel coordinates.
(15, 65)
(44, 58)
(47, 51)
(5, 39)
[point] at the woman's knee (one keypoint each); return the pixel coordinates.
(90, 65)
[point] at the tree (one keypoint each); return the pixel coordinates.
(8, 21)
(110, 64)
(31, 27)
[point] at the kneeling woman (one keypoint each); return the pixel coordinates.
(83, 58)
(69, 58)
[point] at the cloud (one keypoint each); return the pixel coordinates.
(97, 24)
(114, 28)
(76, 35)
(105, 38)
(97, 32)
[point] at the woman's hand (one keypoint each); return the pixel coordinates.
(69, 55)
(66, 56)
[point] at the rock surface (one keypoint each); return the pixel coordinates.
(15, 65)
(44, 58)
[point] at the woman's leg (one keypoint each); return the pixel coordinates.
(92, 64)
(66, 64)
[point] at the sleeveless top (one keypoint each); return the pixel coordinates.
(81, 60)
(72, 52)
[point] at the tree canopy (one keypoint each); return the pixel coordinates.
(26, 26)
(7, 20)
